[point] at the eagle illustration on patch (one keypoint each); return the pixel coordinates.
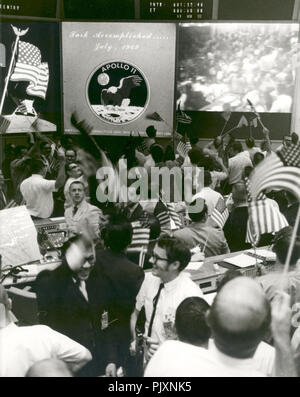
(117, 92)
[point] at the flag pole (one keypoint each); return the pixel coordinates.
(18, 33)
(292, 243)
(226, 122)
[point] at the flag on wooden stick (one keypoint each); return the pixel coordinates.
(182, 117)
(243, 122)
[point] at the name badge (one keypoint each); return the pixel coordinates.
(104, 320)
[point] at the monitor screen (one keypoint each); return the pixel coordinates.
(119, 76)
(221, 65)
(32, 94)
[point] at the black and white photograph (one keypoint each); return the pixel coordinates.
(150, 192)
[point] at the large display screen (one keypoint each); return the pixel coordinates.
(30, 76)
(221, 65)
(119, 76)
(32, 8)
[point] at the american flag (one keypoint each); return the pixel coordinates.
(182, 117)
(290, 155)
(254, 122)
(154, 116)
(140, 237)
(243, 122)
(263, 216)
(220, 213)
(273, 173)
(30, 68)
(4, 124)
(183, 148)
(143, 146)
(164, 212)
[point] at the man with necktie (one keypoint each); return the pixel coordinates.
(161, 293)
(82, 214)
(75, 299)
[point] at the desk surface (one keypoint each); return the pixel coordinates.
(209, 268)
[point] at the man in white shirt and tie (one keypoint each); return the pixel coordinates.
(162, 291)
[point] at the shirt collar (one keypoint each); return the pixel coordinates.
(232, 362)
(38, 176)
(174, 283)
(82, 204)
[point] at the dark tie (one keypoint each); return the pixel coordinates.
(155, 301)
(75, 209)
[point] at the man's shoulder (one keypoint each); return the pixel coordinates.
(93, 208)
(114, 263)
(187, 286)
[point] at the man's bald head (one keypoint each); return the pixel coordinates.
(239, 317)
(49, 368)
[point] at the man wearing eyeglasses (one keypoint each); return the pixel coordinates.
(161, 293)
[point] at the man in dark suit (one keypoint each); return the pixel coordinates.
(75, 300)
(125, 278)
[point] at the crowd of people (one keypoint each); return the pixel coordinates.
(228, 65)
(121, 302)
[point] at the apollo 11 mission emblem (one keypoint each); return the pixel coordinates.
(117, 92)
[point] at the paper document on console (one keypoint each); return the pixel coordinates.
(242, 261)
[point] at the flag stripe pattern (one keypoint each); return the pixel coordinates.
(263, 216)
(220, 213)
(271, 173)
(4, 124)
(183, 118)
(30, 68)
(164, 213)
(183, 148)
(140, 236)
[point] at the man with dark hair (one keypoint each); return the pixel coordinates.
(238, 160)
(183, 357)
(125, 279)
(196, 156)
(258, 158)
(251, 148)
(20, 170)
(151, 131)
(47, 155)
(162, 291)
(210, 196)
(211, 240)
(70, 156)
(235, 227)
(274, 281)
(38, 191)
(157, 154)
